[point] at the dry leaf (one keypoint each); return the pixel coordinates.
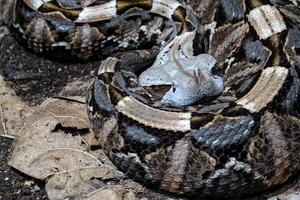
(113, 193)
(75, 90)
(80, 176)
(12, 111)
(51, 148)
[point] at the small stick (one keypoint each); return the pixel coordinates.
(2, 121)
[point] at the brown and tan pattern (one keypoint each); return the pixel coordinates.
(240, 142)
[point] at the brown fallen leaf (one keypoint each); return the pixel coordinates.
(113, 193)
(51, 148)
(67, 183)
(12, 111)
(107, 194)
(75, 90)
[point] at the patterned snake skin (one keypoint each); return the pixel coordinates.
(244, 140)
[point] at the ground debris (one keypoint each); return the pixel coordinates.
(51, 148)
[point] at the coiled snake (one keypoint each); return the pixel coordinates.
(214, 112)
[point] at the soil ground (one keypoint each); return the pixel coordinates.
(13, 184)
(35, 78)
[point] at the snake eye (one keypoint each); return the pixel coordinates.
(174, 89)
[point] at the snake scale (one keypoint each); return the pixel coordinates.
(192, 97)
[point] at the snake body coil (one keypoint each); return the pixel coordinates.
(243, 136)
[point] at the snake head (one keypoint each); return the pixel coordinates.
(190, 76)
(190, 89)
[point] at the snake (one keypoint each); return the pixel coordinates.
(194, 98)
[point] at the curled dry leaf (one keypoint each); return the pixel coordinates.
(12, 115)
(126, 191)
(83, 175)
(75, 90)
(51, 148)
(68, 114)
(113, 193)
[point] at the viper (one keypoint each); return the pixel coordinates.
(194, 98)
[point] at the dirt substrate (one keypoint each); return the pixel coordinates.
(13, 184)
(35, 78)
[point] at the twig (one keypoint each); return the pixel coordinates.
(2, 121)
(8, 136)
(5, 135)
